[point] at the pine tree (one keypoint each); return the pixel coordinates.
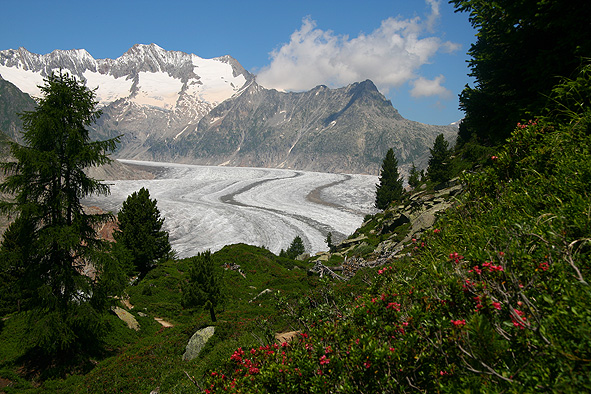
(439, 169)
(296, 248)
(204, 285)
(414, 178)
(390, 183)
(522, 48)
(140, 231)
(331, 247)
(53, 239)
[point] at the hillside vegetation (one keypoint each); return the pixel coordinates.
(476, 283)
(494, 298)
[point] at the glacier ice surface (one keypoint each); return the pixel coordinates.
(206, 208)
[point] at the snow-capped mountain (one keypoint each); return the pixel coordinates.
(147, 81)
(177, 107)
(145, 75)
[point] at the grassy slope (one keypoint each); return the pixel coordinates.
(138, 362)
(495, 300)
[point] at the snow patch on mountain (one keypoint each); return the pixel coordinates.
(146, 74)
(26, 80)
(108, 88)
(157, 89)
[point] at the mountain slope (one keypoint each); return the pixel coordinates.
(336, 130)
(13, 102)
(174, 106)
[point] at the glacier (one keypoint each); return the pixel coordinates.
(206, 208)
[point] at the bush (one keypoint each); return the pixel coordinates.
(497, 300)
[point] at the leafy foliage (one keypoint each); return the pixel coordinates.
(497, 300)
(389, 188)
(140, 231)
(53, 239)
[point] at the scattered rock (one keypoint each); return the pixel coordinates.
(303, 256)
(420, 212)
(163, 322)
(286, 336)
(234, 267)
(323, 257)
(127, 304)
(197, 341)
(260, 294)
(354, 240)
(126, 317)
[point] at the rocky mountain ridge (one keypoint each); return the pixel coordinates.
(177, 107)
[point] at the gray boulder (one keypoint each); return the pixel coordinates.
(127, 318)
(196, 343)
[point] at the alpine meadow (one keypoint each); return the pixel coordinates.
(468, 272)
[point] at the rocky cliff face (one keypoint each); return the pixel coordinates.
(12, 102)
(173, 106)
(336, 130)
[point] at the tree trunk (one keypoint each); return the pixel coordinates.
(212, 313)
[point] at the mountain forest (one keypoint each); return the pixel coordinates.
(472, 279)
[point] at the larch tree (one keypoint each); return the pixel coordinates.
(390, 187)
(53, 239)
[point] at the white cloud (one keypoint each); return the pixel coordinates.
(423, 87)
(390, 56)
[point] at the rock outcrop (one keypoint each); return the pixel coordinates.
(401, 226)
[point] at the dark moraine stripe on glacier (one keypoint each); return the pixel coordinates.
(313, 196)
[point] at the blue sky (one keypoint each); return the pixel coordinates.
(413, 50)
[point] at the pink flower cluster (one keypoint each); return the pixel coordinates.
(384, 270)
(491, 267)
(458, 323)
(525, 125)
(456, 257)
(518, 323)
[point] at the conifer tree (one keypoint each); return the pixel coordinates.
(439, 169)
(296, 248)
(140, 231)
(204, 285)
(522, 48)
(390, 183)
(53, 239)
(331, 247)
(414, 178)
